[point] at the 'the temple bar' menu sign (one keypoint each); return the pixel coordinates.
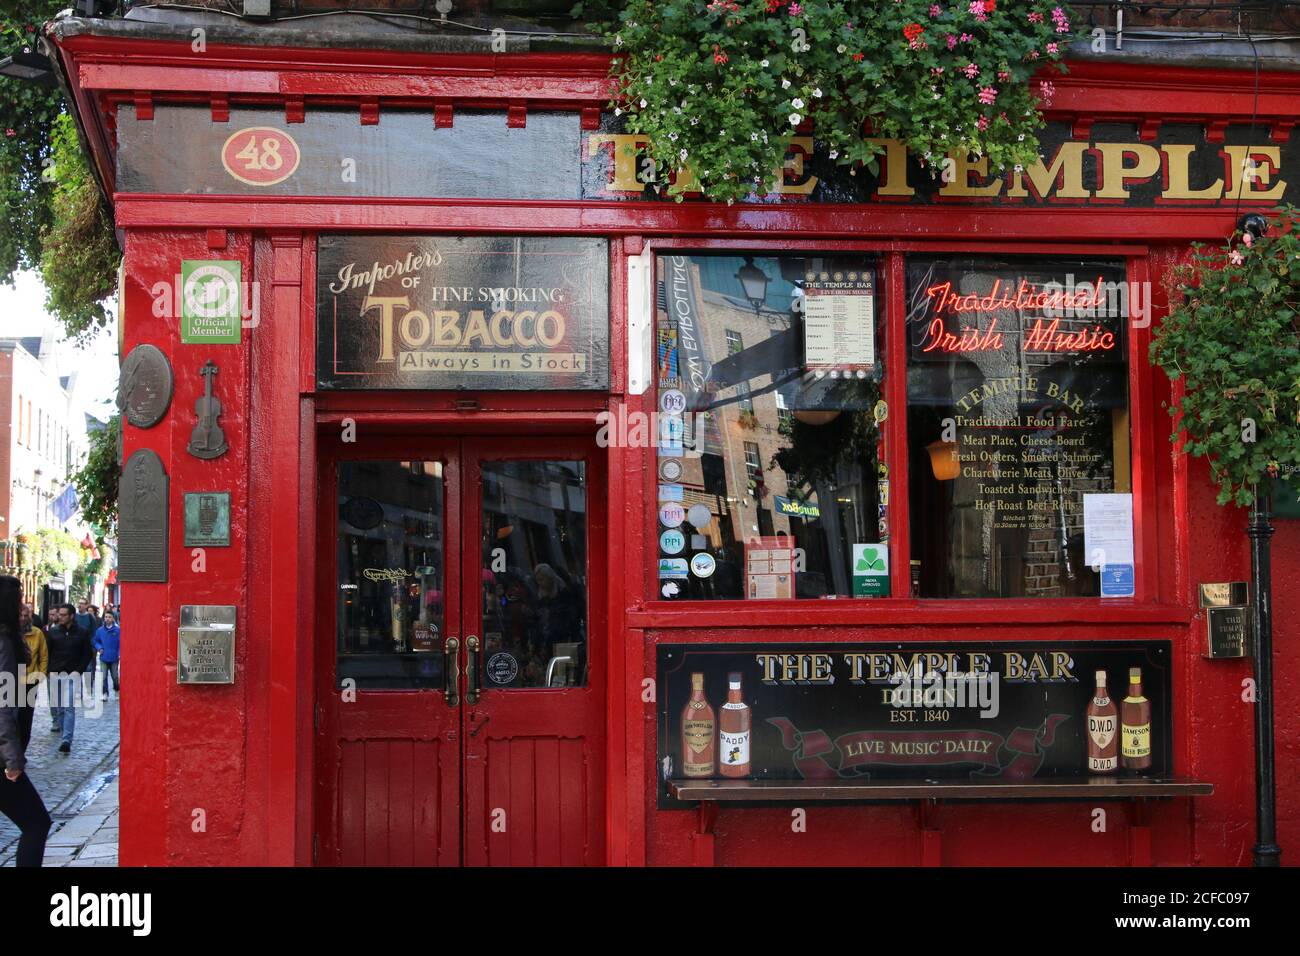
(1012, 711)
(480, 312)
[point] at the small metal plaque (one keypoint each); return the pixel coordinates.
(145, 389)
(207, 519)
(142, 521)
(1226, 594)
(1229, 631)
(205, 649)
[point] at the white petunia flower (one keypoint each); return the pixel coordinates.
(682, 154)
(797, 103)
(785, 84)
(644, 104)
(795, 119)
(763, 63)
(834, 153)
(817, 91)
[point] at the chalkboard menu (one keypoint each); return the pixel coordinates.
(950, 711)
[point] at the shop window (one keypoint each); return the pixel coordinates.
(1018, 428)
(770, 485)
(391, 555)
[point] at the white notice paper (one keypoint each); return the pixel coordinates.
(1108, 542)
(840, 325)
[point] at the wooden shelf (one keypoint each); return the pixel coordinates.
(1066, 788)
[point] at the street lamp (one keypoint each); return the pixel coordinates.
(29, 67)
(1267, 851)
(754, 281)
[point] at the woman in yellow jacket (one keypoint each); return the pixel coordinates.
(39, 656)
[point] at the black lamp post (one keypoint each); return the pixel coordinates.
(1266, 851)
(754, 281)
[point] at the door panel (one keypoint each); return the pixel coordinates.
(534, 755)
(390, 757)
(498, 758)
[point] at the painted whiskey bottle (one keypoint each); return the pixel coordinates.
(733, 733)
(1135, 725)
(699, 733)
(1103, 730)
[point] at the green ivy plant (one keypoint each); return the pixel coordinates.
(1232, 338)
(97, 481)
(719, 87)
(51, 214)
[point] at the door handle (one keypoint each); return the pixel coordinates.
(550, 668)
(451, 672)
(471, 670)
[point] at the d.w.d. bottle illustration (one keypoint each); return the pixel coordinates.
(699, 729)
(1103, 730)
(734, 731)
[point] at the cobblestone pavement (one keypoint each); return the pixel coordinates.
(79, 789)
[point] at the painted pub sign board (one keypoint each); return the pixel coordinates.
(948, 711)
(462, 312)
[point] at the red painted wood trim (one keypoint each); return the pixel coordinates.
(1087, 225)
(903, 612)
(893, 273)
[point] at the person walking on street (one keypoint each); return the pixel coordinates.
(87, 617)
(19, 800)
(69, 652)
(37, 666)
(108, 641)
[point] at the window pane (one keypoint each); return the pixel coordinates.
(390, 574)
(769, 480)
(535, 574)
(1017, 425)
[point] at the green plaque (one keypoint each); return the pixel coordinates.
(207, 519)
(211, 299)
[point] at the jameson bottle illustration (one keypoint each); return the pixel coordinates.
(699, 733)
(733, 734)
(1103, 727)
(1135, 725)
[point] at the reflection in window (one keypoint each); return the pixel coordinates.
(775, 480)
(390, 574)
(1018, 425)
(534, 574)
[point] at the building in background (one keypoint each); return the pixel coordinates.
(44, 438)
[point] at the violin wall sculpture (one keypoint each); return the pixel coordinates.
(208, 440)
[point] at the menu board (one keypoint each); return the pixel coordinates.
(769, 567)
(839, 321)
(1012, 711)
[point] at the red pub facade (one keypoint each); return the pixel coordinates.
(507, 450)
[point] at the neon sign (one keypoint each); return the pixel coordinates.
(1024, 296)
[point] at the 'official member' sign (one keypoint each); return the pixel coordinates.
(483, 312)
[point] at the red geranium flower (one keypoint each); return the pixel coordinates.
(912, 31)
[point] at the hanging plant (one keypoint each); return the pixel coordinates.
(1233, 337)
(719, 88)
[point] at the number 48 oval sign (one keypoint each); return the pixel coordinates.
(260, 155)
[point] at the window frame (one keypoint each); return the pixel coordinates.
(891, 272)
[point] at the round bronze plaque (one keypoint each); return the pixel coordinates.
(146, 386)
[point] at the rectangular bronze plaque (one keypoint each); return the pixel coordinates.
(1225, 594)
(1229, 631)
(143, 494)
(205, 650)
(524, 313)
(207, 519)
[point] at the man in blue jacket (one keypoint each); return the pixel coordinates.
(108, 641)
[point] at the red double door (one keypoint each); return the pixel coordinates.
(460, 698)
